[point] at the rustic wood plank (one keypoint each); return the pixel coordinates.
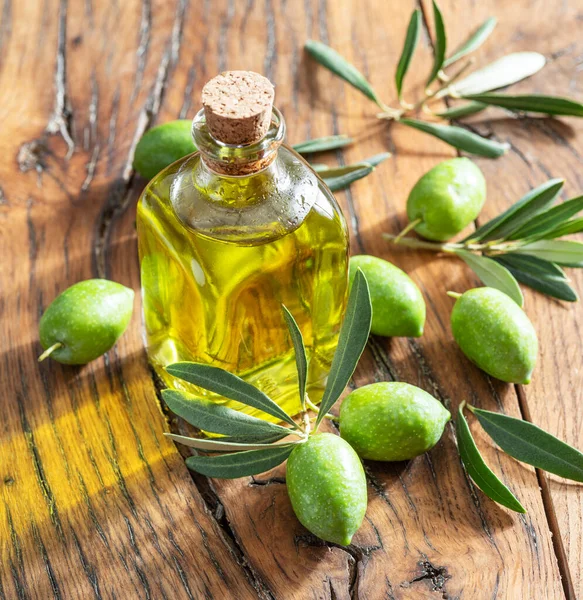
(94, 502)
(543, 148)
(427, 529)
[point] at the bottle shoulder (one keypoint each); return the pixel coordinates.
(247, 210)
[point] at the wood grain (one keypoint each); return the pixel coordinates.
(540, 149)
(94, 501)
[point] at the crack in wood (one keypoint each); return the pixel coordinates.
(216, 510)
(61, 120)
(436, 575)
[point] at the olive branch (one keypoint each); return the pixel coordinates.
(249, 445)
(521, 245)
(474, 89)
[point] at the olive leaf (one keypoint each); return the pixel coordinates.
(502, 72)
(519, 213)
(340, 182)
(409, 46)
(462, 110)
(351, 342)
(478, 470)
(440, 44)
(328, 172)
(239, 464)
(300, 353)
(493, 274)
(475, 40)
(568, 228)
(544, 222)
(550, 287)
(534, 103)
(562, 252)
(460, 138)
(227, 384)
(323, 144)
(218, 445)
(530, 444)
(336, 63)
(536, 266)
(216, 418)
(339, 178)
(541, 275)
(260, 438)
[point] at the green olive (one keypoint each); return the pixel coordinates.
(163, 145)
(391, 421)
(495, 334)
(447, 199)
(398, 308)
(327, 487)
(85, 321)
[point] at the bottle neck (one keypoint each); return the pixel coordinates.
(238, 160)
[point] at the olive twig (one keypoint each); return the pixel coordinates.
(488, 248)
(49, 351)
(407, 229)
(317, 410)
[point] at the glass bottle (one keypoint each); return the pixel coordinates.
(226, 236)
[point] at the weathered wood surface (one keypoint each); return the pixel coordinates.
(94, 501)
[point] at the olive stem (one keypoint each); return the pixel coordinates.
(445, 88)
(407, 229)
(455, 295)
(491, 247)
(49, 351)
(307, 424)
(316, 409)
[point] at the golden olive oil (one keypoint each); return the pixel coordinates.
(221, 254)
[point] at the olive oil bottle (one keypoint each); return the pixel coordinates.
(230, 234)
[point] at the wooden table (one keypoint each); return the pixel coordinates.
(94, 501)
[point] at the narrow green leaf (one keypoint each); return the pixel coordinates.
(534, 103)
(536, 266)
(327, 172)
(535, 201)
(541, 224)
(409, 46)
(568, 228)
(228, 385)
(460, 138)
(479, 471)
(338, 178)
(340, 182)
(376, 159)
(351, 342)
(473, 42)
(240, 464)
(462, 110)
(323, 144)
(300, 352)
(210, 416)
(502, 72)
(260, 438)
(218, 445)
(336, 63)
(553, 287)
(562, 252)
(493, 275)
(440, 44)
(530, 444)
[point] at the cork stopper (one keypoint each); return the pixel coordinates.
(238, 106)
